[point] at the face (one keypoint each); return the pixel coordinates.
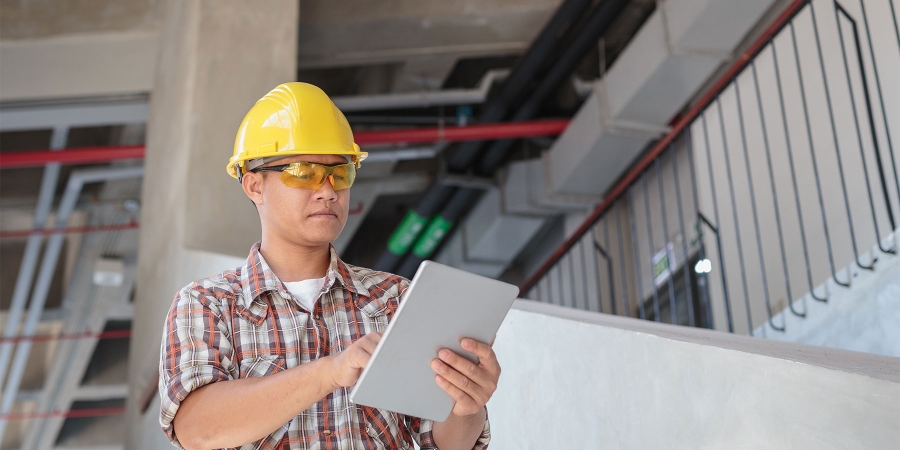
(301, 216)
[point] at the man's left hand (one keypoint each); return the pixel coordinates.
(471, 385)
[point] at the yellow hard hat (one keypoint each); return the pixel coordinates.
(292, 119)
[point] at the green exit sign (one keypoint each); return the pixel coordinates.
(663, 261)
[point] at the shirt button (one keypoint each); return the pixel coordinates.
(326, 432)
(318, 317)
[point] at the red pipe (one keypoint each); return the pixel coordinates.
(682, 123)
(81, 155)
(90, 155)
(479, 132)
(112, 334)
(69, 230)
(86, 412)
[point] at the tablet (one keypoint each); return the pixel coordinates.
(441, 306)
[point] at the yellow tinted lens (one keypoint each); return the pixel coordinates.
(344, 175)
(304, 175)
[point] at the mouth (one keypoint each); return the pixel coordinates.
(324, 214)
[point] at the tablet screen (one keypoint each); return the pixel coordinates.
(441, 306)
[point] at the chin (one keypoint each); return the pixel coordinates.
(313, 233)
(316, 239)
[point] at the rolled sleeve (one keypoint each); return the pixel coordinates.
(421, 432)
(195, 351)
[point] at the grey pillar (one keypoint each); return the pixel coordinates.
(216, 58)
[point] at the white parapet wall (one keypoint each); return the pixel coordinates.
(576, 379)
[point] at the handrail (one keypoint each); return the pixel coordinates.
(683, 122)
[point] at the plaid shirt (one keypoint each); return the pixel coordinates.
(244, 323)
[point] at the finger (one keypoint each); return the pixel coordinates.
(487, 359)
(366, 347)
(368, 344)
(484, 352)
(361, 359)
(373, 336)
(356, 356)
(462, 399)
(474, 372)
(479, 349)
(462, 382)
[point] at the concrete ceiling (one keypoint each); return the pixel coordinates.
(39, 19)
(419, 41)
(356, 33)
(423, 40)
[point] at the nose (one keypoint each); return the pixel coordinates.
(327, 192)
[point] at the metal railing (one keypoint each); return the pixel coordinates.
(784, 168)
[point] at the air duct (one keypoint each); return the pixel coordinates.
(676, 50)
(595, 25)
(495, 110)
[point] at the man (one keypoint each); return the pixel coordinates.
(264, 356)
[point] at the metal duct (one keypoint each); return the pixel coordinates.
(496, 109)
(552, 36)
(676, 50)
(422, 99)
(669, 58)
(596, 24)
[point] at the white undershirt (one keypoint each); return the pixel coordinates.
(306, 291)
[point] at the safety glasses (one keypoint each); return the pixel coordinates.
(309, 175)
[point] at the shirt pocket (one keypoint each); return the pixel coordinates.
(261, 365)
(377, 315)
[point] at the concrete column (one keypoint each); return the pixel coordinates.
(216, 58)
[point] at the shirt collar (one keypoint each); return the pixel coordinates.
(257, 277)
(341, 272)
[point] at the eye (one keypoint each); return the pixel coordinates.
(303, 172)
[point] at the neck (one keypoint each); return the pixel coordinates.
(292, 262)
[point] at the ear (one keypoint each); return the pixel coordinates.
(252, 183)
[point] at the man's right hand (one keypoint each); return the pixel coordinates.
(347, 366)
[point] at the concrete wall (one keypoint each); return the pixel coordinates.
(142, 427)
(216, 59)
(51, 50)
(735, 213)
(865, 318)
(37, 19)
(99, 65)
(575, 379)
